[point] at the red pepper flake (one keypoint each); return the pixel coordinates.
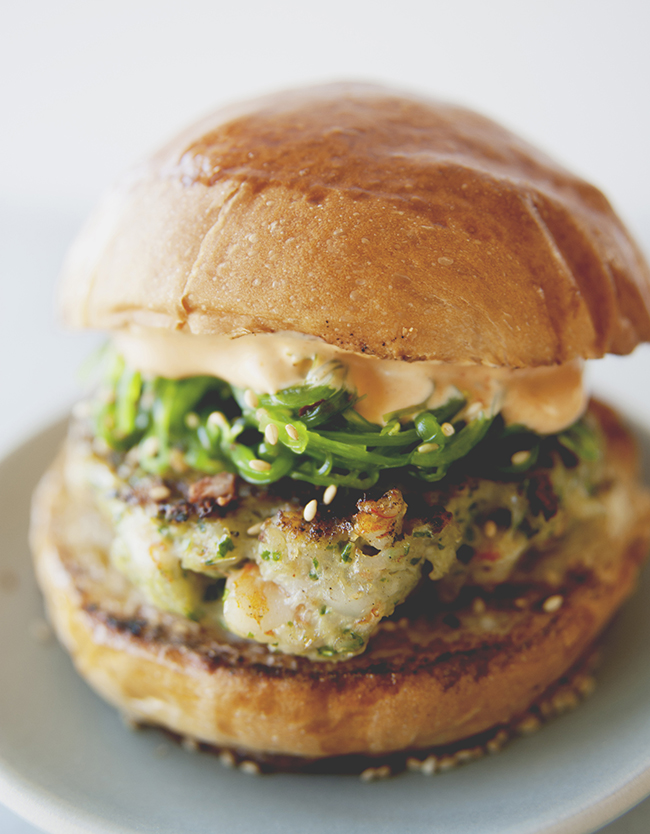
(307, 408)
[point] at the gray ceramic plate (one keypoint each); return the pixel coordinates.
(67, 763)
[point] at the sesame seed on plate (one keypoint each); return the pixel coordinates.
(190, 744)
(371, 774)
(260, 465)
(429, 765)
(250, 768)
(413, 764)
(227, 759)
(192, 420)
(292, 431)
(448, 429)
(330, 494)
(309, 513)
(529, 725)
(520, 457)
(447, 762)
(255, 530)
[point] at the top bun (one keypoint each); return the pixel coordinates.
(382, 222)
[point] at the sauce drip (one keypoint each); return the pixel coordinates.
(545, 399)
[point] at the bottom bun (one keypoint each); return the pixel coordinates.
(428, 679)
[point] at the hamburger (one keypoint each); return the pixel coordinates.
(338, 494)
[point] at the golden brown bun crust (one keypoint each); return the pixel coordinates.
(383, 222)
(423, 683)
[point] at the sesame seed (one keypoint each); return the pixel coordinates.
(250, 768)
(150, 447)
(494, 745)
(271, 434)
(478, 606)
(309, 513)
(553, 604)
(227, 759)
(159, 493)
(217, 419)
(520, 457)
(585, 684)
(448, 429)
(192, 420)
(177, 461)
(546, 708)
(428, 447)
(370, 774)
(330, 494)
(255, 530)
(190, 744)
(259, 465)
(429, 765)
(466, 755)
(530, 724)
(250, 398)
(447, 763)
(564, 700)
(473, 410)
(490, 529)
(292, 431)
(445, 261)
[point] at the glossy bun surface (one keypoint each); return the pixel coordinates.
(382, 222)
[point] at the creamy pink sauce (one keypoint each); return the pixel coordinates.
(546, 399)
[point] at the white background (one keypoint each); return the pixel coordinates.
(89, 87)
